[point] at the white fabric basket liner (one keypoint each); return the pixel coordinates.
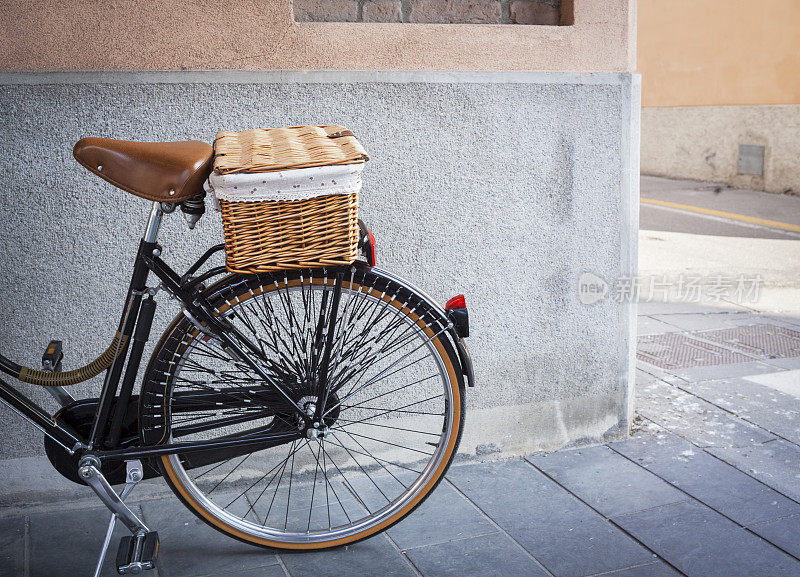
(285, 185)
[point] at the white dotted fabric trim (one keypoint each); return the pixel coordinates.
(286, 185)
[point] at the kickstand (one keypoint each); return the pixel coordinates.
(135, 472)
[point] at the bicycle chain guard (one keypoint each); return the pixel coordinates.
(80, 416)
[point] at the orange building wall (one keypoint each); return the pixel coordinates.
(262, 35)
(719, 52)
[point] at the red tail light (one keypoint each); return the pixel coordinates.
(372, 260)
(455, 303)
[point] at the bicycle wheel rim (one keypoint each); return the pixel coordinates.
(435, 467)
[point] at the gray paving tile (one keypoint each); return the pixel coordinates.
(783, 533)
(445, 515)
(488, 556)
(707, 479)
(190, 548)
(791, 319)
(646, 374)
(671, 379)
(68, 543)
(565, 535)
(606, 480)
(701, 322)
(776, 464)
(375, 556)
(652, 326)
(657, 569)
(12, 546)
(268, 571)
(768, 408)
(699, 542)
(726, 371)
(790, 363)
(643, 377)
(659, 308)
(695, 419)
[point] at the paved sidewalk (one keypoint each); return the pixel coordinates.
(681, 246)
(708, 485)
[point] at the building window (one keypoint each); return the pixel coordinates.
(541, 12)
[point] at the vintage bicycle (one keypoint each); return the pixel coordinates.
(300, 409)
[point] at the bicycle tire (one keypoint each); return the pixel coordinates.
(230, 297)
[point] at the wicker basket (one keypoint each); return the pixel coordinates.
(287, 199)
(265, 150)
(277, 235)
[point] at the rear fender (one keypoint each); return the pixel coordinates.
(464, 356)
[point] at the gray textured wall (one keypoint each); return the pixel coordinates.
(503, 186)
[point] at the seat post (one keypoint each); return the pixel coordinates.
(153, 223)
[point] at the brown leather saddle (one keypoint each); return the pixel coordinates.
(157, 171)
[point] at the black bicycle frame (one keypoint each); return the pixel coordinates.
(137, 315)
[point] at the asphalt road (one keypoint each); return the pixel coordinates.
(749, 204)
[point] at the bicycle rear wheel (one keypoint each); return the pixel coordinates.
(393, 408)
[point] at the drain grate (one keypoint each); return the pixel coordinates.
(677, 351)
(771, 341)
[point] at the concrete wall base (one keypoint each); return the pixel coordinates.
(519, 430)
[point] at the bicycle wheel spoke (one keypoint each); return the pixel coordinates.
(217, 423)
(386, 376)
(229, 473)
(385, 442)
(376, 459)
(364, 421)
(366, 353)
(375, 379)
(282, 465)
(313, 486)
(399, 466)
(214, 467)
(363, 470)
(278, 486)
(365, 332)
(369, 362)
(327, 483)
(289, 494)
(346, 482)
(387, 411)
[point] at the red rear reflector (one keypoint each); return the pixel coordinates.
(457, 302)
(371, 248)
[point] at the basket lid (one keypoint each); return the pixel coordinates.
(268, 149)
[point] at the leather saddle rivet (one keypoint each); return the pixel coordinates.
(172, 192)
(99, 168)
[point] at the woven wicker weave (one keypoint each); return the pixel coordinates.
(269, 235)
(279, 235)
(264, 150)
